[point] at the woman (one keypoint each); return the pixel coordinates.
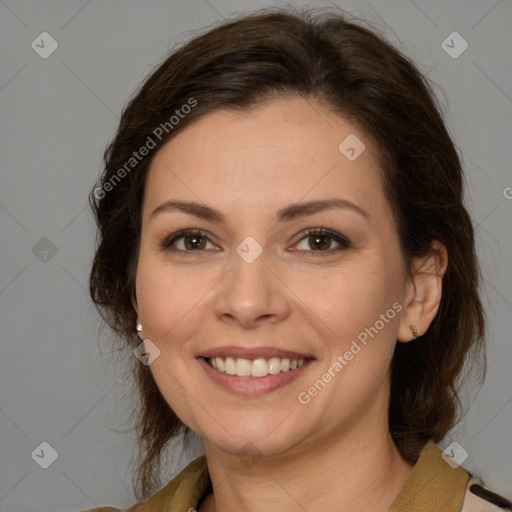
(283, 245)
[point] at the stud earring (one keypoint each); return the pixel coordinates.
(414, 331)
(139, 327)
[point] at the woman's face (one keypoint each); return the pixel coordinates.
(260, 285)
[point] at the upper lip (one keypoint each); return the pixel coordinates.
(253, 353)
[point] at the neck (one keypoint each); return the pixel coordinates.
(358, 470)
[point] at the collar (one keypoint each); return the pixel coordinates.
(433, 485)
(183, 492)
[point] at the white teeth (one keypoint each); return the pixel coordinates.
(243, 367)
(229, 366)
(259, 367)
(274, 365)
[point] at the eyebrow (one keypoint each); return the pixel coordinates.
(285, 214)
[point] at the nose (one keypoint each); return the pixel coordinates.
(252, 294)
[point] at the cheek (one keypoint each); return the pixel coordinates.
(350, 298)
(361, 313)
(170, 310)
(173, 300)
(162, 296)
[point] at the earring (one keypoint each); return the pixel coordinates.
(414, 331)
(139, 327)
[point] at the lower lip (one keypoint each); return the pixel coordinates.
(253, 386)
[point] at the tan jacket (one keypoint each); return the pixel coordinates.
(434, 486)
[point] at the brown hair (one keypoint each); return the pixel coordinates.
(357, 74)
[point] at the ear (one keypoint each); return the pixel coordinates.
(423, 292)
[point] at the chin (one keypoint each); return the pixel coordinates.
(267, 438)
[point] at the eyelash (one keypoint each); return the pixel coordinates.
(166, 244)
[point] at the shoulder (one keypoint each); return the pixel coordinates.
(438, 483)
(478, 498)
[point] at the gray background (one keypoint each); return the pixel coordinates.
(58, 383)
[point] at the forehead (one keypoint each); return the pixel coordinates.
(282, 151)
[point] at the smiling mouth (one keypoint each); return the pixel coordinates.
(256, 368)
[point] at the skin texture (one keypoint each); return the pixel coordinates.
(336, 450)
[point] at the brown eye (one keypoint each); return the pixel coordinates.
(321, 240)
(193, 240)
